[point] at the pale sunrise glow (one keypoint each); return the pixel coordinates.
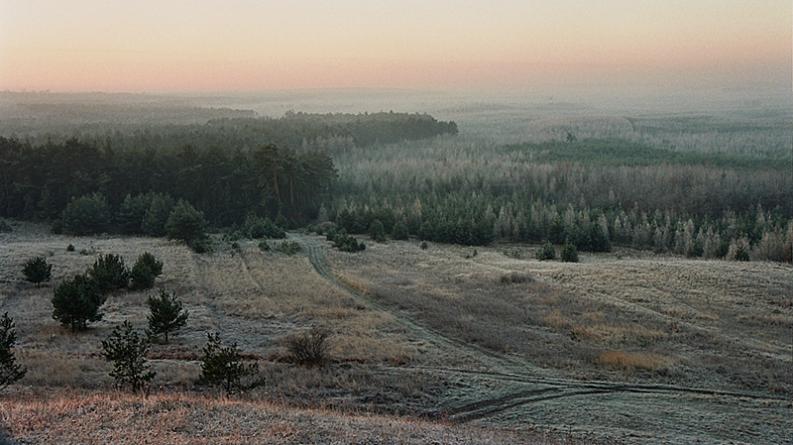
(245, 45)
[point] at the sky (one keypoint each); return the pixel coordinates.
(247, 45)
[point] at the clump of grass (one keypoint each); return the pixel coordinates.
(516, 278)
(630, 361)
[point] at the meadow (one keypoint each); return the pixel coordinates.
(496, 341)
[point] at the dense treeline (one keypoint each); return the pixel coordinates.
(592, 193)
(293, 130)
(477, 219)
(226, 185)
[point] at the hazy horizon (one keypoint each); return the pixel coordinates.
(245, 46)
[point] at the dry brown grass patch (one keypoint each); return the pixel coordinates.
(556, 320)
(634, 360)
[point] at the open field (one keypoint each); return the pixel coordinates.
(625, 346)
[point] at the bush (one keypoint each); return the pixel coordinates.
(377, 231)
(86, 215)
(223, 366)
(10, 371)
(569, 253)
(264, 246)
(185, 223)
(70, 248)
(36, 270)
(202, 245)
(257, 227)
(126, 350)
(423, 245)
(109, 273)
(166, 314)
(547, 252)
(288, 247)
(309, 348)
(146, 269)
(400, 231)
(347, 243)
(151, 262)
(76, 302)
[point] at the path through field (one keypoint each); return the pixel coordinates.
(517, 387)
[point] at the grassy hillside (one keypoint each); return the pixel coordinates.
(87, 418)
(664, 347)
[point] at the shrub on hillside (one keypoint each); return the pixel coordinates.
(126, 350)
(546, 252)
(165, 314)
(150, 261)
(86, 215)
(36, 270)
(70, 248)
(185, 223)
(223, 365)
(145, 270)
(309, 348)
(256, 227)
(288, 247)
(109, 273)
(344, 242)
(569, 253)
(76, 302)
(10, 370)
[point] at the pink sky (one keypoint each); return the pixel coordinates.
(247, 45)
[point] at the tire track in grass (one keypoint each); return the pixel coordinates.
(507, 368)
(316, 256)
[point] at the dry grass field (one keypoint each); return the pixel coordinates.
(69, 417)
(623, 346)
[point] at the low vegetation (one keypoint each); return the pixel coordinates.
(309, 348)
(166, 314)
(569, 253)
(146, 269)
(126, 349)
(10, 370)
(223, 366)
(546, 252)
(344, 242)
(109, 273)
(76, 302)
(288, 247)
(37, 270)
